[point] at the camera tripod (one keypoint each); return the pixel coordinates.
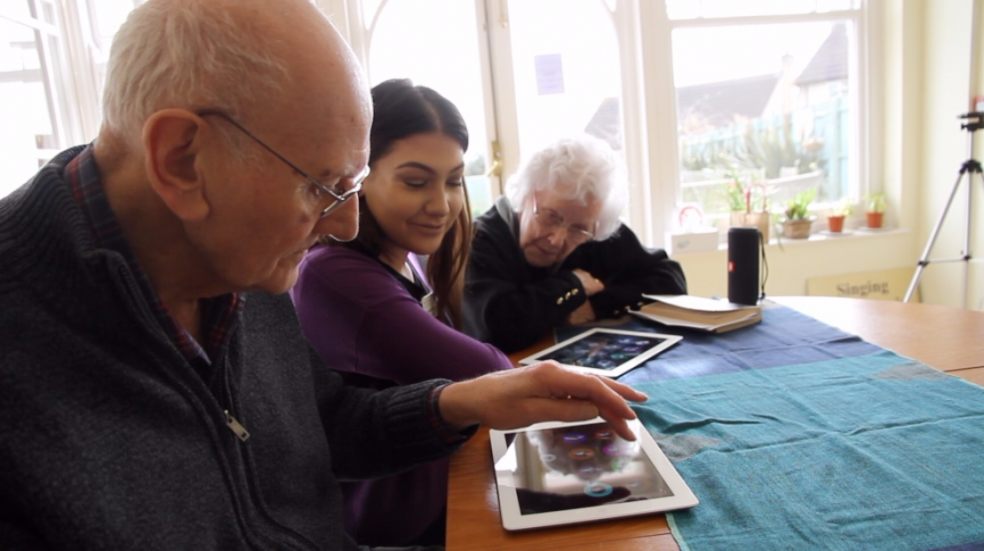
(975, 121)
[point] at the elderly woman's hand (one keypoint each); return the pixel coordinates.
(591, 284)
(582, 314)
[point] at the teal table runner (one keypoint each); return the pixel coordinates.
(796, 435)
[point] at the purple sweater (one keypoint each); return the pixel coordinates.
(363, 321)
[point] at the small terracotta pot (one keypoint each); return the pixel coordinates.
(875, 219)
(835, 223)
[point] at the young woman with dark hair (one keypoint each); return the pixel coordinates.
(369, 311)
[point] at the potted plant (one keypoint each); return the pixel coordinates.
(736, 200)
(875, 210)
(740, 204)
(835, 220)
(798, 221)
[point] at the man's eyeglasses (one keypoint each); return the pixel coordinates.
(551, 220)
(339, 192)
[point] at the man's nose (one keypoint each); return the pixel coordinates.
(341, 224)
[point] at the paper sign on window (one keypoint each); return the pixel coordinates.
(549, 74)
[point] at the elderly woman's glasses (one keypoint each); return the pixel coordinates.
(552, 220)
(340, 191)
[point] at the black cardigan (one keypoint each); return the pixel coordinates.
(110, 439)
(512, 305)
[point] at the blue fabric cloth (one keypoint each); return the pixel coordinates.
(796, 435)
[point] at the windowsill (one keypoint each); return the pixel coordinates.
(847, 236)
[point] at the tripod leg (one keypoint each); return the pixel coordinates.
(924, 259)
(967, 254)
(914, 282)
(966, 247)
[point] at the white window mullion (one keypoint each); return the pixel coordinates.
(661, 119)
(633, 125)
(503, 85)
(763, 19)
(870, 84)
(53, 86)
(496, 168)
(81, 99)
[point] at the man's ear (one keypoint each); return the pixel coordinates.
(172, 140)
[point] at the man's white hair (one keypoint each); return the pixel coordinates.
(187, 54)
(580, 168)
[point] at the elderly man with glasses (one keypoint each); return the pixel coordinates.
(553, 252)
(157, 390)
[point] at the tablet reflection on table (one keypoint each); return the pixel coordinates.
(581, 466)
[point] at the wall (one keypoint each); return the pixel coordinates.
(948, 76)
(792, 263)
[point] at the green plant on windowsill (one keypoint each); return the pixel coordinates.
(741, 203)
(798, 208)
(736, 193)
(875, 209)
(875, 202)
(798, 221)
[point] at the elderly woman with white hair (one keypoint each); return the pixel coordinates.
(553, 252)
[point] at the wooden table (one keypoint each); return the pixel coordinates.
(946, 338)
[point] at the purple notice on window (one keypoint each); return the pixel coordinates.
(549, 74)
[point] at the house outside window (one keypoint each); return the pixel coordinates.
(767, 103)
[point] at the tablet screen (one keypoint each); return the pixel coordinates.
(603, 350)
(559, 473)
(606, 352)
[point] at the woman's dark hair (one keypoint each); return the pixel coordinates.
(402, 110)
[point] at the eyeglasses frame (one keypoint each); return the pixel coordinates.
(340, 198)
(585, 235)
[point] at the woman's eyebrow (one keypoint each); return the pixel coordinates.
(415, 164)
(422, 166)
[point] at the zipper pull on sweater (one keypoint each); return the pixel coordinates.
(236, 427)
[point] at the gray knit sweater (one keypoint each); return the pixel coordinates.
(109, 439)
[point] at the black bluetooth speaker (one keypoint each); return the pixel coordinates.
(743, 265)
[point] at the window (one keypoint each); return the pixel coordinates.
(701, 99)
(52, 64)
(521, 72)
(565, 73)
(767, 97)
(691, 94)
(410, 40)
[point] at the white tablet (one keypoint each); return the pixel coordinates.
(562, 473)
(608, 352)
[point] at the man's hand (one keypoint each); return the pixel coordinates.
(543, 392)
(591, 284)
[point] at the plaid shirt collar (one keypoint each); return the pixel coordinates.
(218, 314)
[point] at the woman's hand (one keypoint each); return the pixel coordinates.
(591, 284)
